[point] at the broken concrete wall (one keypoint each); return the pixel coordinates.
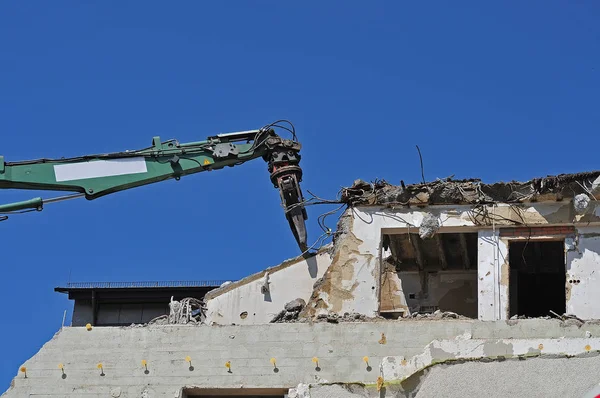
(434, 377)
(350, 284)
(393, 299)
(583, 278)
(355, 278)
(476, 379)
(186, 357)
(518, 378)
(259, 297)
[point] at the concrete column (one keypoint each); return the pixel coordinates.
(492, 276)
(583, 281)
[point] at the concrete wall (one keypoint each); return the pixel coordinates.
(243, 302)
(518, 378)
(340, 349)
(492, 272)
(354, 279)
(583, 279)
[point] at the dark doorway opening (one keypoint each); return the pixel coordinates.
(537, 278)
(235, 392)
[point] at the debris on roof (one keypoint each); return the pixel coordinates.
(190, 310)
(472, 191)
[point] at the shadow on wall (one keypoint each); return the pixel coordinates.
(313, 268)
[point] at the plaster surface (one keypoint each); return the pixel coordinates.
(340, 349)
(356, 275)
(246, 302)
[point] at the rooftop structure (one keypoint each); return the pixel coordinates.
(127, 303)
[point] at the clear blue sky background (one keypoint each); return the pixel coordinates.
(500, 92)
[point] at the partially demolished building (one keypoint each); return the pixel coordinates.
(450, 288)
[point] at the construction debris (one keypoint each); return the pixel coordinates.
(347, 317)
(436, 315)
(295, 305)
(429, 226)
(471, 191)
(290, 312)
(188, 310)
(581, 203)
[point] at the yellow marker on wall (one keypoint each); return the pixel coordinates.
(23, 369)
(88, 327)
(379, 383)
(366, 359)
(273, 362)
(228, 365)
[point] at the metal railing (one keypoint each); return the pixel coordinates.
(105, 285)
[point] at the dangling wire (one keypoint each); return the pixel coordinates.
(321, 219)
(319, 242)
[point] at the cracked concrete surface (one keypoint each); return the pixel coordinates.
(340, 348)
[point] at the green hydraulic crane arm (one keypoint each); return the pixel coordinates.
(94, 176)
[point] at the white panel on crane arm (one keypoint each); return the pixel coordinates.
(99, 168)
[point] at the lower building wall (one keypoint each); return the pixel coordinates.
(281, 356)
(476, 379)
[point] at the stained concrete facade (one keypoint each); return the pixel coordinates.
(355, 280)
(409, 349)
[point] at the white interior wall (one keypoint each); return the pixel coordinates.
(440, 285)
(583, 267)
(285, 284)
(492, 282)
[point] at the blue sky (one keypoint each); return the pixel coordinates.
(499, 91)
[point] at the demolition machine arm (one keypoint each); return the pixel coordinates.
(93, 176)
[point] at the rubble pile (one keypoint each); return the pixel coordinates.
(436, 315)
(290, 312)
(188, 310)
(473, 191)
(347, 317)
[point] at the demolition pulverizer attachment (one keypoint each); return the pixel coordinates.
(286, 175)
